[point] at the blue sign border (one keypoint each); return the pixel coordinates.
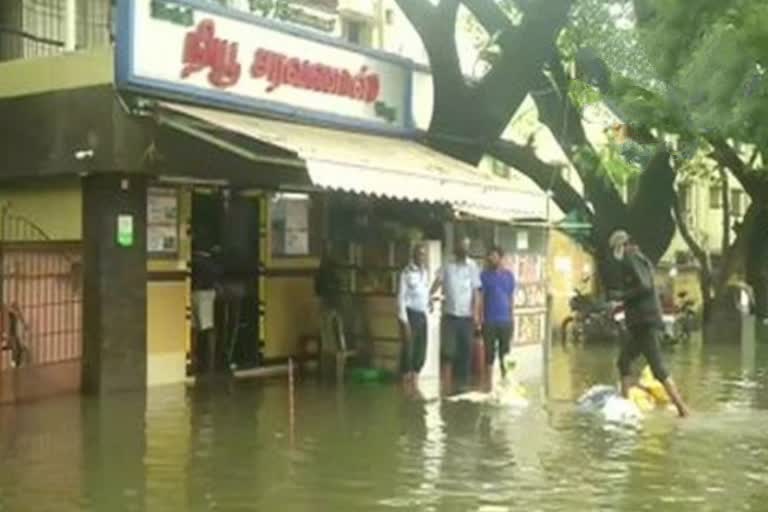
(126, 79)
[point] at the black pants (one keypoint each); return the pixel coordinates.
(414, 351)
(643, 340)
(497, 337)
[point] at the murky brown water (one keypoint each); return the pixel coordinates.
(368, 448)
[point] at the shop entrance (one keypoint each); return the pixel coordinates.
(225, 267)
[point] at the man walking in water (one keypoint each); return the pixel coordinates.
(643, 314)
(497, 304)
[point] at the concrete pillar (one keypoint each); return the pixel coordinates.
(114, 284)
(70, 23)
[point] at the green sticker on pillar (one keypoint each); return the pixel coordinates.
(125, 230)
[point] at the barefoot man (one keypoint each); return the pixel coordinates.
(643, 314)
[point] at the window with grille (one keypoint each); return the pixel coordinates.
(37, 28)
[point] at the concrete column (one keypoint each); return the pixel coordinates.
(70, 22)
(114, 284)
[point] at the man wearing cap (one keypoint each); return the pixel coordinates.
(643, 316)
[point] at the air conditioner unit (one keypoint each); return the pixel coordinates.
(358, 9)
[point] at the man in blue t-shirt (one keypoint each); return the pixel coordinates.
(498, 291)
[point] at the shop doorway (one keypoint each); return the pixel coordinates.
(225, 230)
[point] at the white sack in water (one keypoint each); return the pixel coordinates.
(608, 403)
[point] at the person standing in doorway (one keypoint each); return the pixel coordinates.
(498, 291)
(643, 316)
(328, 290)
(206, 276)
(460, 283)
(412, 307)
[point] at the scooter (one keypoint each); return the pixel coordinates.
(591, 319)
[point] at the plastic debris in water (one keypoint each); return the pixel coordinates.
(608, 403)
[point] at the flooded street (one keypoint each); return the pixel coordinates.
(367, 447)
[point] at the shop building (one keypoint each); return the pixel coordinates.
(207, 125)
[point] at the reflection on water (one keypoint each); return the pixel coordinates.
(231, 447)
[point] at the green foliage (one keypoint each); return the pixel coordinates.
(583, 94)
(713, 54)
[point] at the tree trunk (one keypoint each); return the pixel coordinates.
(725, 203)
(546, 176)
(756, 267)
(702, 257)
(650, 213)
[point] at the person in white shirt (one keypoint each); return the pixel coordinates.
(460, 282)
(412, 306)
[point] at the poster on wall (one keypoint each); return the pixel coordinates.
(296, 228)
(162, 222)
(530, 297)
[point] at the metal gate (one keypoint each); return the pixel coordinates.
(40, 286)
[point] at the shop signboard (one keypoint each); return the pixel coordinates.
(202, 53)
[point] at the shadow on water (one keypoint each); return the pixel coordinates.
(235, 446)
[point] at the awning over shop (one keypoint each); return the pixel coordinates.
(367, 164)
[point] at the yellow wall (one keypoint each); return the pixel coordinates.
(168, 299)
(292, 310)
(569, 264)
(33, 76)
(55, 207)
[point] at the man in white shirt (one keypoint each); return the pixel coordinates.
(412, 306)
(460, 282)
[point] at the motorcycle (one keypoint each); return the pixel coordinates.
(679, 320)
(591, 320)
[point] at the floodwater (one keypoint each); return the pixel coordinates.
(236, 447)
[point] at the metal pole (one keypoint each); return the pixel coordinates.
(547, 351)
(3, 217)
(70, 35)
(291, 403)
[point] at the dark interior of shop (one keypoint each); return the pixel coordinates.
(225, 228)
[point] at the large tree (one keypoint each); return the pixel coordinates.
(470, 116)
(712, 55)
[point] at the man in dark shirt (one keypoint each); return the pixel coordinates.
(643, 316)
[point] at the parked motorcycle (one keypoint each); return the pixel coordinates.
(679, 320)
(591, 319)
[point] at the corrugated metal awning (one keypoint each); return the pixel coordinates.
(376, 165)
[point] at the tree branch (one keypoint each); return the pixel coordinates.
(489, 14)
(701, 255)
(725, 155)
(650, 212)
(725, 206)
(546, 176)
(525, 49)
(560, 115)
(436, 26)
(418, 12)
